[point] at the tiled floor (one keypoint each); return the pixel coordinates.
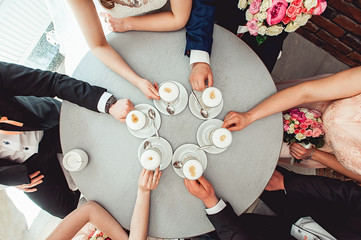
(300, 59)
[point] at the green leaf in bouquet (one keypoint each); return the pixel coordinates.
(260, 39)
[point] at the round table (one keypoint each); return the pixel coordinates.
(238, 175)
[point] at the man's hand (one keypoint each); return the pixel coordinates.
(120, 109)
(35, 180)
(200, 73)
(148, 180)
(235, 121)
(147, 88)
(299, 152)
(276, 182)
(203, 190)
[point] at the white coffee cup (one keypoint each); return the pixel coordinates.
(192, 168)
(75, 160)
(211, 97)
(151, 158)
(220, 137)
(169, 92)
(136, 120)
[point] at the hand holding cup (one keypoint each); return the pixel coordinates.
(203, 190)
(120, 109)
(149, 180)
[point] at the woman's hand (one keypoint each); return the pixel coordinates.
(35, 180)
(147, 88)
(116, 24)
(235, 121)
(299, 152)
(148, 180)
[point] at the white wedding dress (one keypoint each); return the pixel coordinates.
(72, 42)
(127, 8)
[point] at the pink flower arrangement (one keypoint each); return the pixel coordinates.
(303, 126)
(272, 17)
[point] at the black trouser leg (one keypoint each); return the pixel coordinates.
(53, 195)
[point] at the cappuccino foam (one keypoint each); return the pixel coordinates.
(192, 169)
(136, 120)
(221, 138)
(169, 91)
(211, 97)
(150, 159)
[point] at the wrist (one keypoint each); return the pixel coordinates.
(139, 82)
(109, 104)
(129, 24)
(211, 202)
(311, 154)
(250, 117)
(143, 192)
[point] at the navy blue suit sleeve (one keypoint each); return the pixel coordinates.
(17, 80)
(200, 26)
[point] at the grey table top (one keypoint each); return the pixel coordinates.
(238, 175)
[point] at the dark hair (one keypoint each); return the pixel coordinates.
(107, 3)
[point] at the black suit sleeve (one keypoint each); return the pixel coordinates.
(342, 193)
(200, 26)
(229, 226)
(226, 224)
(17, 80)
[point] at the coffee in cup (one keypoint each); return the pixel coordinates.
(220, 137)
(75, 160)
(150, 159)
(169, 92)
(211, 97)
(192, 169)
(136, 120)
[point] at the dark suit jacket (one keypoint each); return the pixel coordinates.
(26, 95)
(333, 204)
(226, 14)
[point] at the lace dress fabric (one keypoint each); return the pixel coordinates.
(342, 125)
(127, 8)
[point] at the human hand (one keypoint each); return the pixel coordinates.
(235, 121)
(147, 88)
(299, 152)
(116, 24)
(35, 180)
(148, 180)
(203, 190)
(200, 73)
(276, 182)
(120, 109)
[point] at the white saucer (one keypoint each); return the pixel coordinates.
(193, 106)
(179, 106)
(163, 146)
(202, 136)
(149, 130)
(188, 148)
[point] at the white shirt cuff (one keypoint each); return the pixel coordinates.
(199, 56)
(103, 101)
(217, 208)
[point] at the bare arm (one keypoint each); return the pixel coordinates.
(87, 17)
(341, 85)
(139, 223)
(163, 21)
(89, 212)
(325, 158)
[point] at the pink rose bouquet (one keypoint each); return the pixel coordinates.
(272, 17)
(303, 126)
